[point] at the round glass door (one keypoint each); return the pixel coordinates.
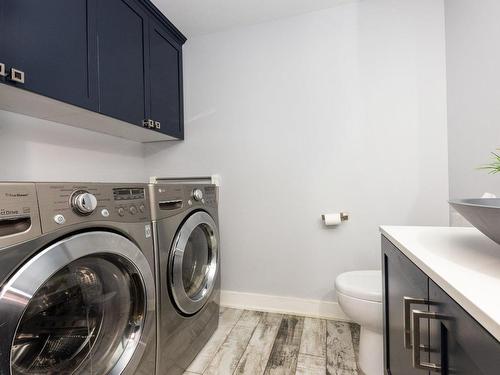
(80, 318)
(194, 262)
(86, 317)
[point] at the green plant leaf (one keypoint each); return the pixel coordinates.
(494, 166)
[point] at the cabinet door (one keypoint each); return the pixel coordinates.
(461, 345)
(401, 278)
(166, 80)
(122, 27)
(54, 44)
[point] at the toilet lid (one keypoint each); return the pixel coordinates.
(365, 285)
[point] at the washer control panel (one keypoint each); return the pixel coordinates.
(83, 202)
(63, 204)
(130, 201)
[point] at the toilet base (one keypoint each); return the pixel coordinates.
(371, 352)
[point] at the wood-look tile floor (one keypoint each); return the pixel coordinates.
(257, 343)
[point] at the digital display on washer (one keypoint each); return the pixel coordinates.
(125, 194)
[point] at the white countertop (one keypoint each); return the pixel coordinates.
(462, 261)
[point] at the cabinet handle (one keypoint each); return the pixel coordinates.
(148, 123)
(16, 75)
(407, 302)
(3, 73)
(416, 315)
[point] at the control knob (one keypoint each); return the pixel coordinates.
(84, 202)
(197, 194)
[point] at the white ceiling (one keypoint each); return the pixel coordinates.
(198, 17)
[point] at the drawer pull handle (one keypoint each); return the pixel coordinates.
(416, 315)
(407, 302)
(3, 73)
(16, 75)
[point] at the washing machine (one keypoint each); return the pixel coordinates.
(77, 292)
(186, 240)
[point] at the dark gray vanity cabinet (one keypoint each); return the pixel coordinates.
(48, 47)
(449, 341)
(404, 287)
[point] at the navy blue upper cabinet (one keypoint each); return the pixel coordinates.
(140, 66)
(122, 36)
(53, 44)
(118, 58)
(166, 80)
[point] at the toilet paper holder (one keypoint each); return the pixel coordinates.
(341, 217)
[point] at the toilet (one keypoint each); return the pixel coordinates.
(359, 294)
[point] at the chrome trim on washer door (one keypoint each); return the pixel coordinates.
(185, 303)
(17, 293)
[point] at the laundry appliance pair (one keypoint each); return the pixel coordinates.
(91, 284)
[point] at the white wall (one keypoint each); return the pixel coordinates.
(473, 76)
(341, 109)
(39, 150)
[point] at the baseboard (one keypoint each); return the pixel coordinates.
(284, 305)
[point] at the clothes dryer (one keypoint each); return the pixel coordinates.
(186, 241)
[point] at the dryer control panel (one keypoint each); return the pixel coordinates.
(63, 204)
(170, 199)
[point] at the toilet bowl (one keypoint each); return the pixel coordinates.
(359, 294)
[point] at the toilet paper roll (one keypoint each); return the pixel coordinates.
(334, 218)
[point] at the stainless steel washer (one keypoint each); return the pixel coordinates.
(77, 293)
(185, 227)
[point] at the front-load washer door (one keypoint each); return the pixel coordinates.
(84, 305)
(194, 262)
